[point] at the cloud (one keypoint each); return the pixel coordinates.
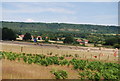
(29, 20)
(40, 10)
(33, 8)
(58, 10)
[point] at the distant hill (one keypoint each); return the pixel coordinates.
(60, 27)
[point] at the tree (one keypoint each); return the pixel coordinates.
(27, 36)
(117, 46)
(112, 41)
(95, 40)
(8, 34)
(69, 40)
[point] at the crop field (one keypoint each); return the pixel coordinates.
(40, 66)
(40, 62)
(96, 54)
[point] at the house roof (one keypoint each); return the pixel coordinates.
(79, 40)
(32, 35)
(86, 40)
(21, 35)
(46, 37)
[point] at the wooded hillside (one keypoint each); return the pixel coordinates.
(60, 27)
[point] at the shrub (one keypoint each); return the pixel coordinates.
(64, 62)
(76, 55)
(117, 46)
(60, 74)
(90, 75)
(24, 58)
(61, 58)
(30, 60)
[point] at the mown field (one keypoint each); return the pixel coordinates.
(103, 55)
(39, 66)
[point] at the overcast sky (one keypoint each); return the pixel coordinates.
(63, 12)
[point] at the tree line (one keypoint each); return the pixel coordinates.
(110, 40)
(36, 28)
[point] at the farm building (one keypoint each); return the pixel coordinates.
(82, 41)
(39, 38)
(20, 37)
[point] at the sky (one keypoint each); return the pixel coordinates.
(60, 0)
(105, 13)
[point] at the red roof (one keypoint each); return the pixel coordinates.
(86, 40)
(31, 35)
(21, 35)
(46, 37)
(79, 40)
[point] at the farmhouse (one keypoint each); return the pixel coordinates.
(20, 37)
(79, 40)
(86, 41)
(39, 37)
(82, 41)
